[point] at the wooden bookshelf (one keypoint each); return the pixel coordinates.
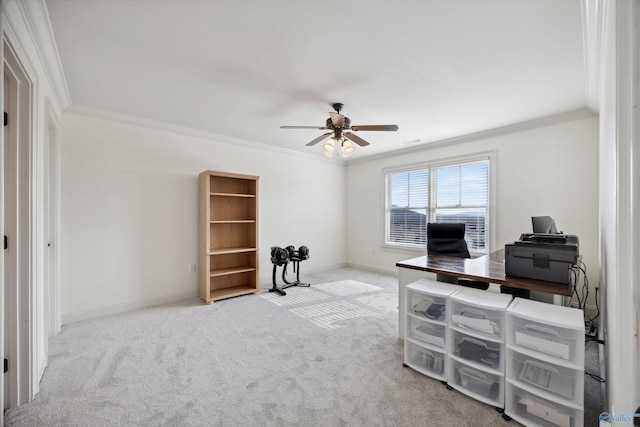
(228, 226)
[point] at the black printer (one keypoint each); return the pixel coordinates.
(540, 256)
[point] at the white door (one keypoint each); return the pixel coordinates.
(51, 282)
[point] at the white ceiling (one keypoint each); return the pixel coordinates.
(242, 68)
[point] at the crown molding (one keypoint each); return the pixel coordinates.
(101, 113)
(490, 133)
(36, 19)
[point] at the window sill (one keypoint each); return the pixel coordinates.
(420, 251)
(405, 250)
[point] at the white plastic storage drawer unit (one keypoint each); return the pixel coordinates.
(427, 299)
(545, 364)
(531, 409)
(477, 351)
(479, 312)
(547, 329)
(475, 344)
(482, 385)
(426, 327)
(547, 379)
(424, 360)
(426, 332)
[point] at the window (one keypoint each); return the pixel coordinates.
(408, 202)
(439, 192)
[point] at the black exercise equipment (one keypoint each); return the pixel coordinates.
(281, 258)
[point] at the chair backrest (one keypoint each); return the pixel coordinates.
(544, 224)
(447, 239)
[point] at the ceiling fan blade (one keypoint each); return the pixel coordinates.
(355, 138)
(320, 138)
(303, 127)
(376, 127)
(337, 119)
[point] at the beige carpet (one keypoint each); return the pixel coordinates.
(327, 355)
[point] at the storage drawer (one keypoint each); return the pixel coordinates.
(428, 299)
(552, 330)
(479, 311)
(563, 343)
(550, 379)
(530, 409)
(478, 384)
(483, 352)
(424, 360)
(427, 332)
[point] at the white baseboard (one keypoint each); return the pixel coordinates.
(109, 310)
(267, 281)
(326, 267)
(389, 271)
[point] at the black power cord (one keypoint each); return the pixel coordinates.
(579, 270)
(594, 376)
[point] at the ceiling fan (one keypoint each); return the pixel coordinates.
(339, 125)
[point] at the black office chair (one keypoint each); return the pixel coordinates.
(448, 239)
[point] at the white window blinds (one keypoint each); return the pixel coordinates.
(450, 192)
(407, 207)
(462, 195)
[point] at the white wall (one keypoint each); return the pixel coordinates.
(551, 170)
(130, 208)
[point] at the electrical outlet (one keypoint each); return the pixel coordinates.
(193, 268)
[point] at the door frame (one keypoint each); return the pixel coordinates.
(21, 293)
(2, 228)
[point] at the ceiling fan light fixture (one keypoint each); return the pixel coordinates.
(347, 148)
(329, 147)
(340, 130)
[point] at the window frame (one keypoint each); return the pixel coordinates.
(432, 166)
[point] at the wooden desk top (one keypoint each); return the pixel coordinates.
(487, 268)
